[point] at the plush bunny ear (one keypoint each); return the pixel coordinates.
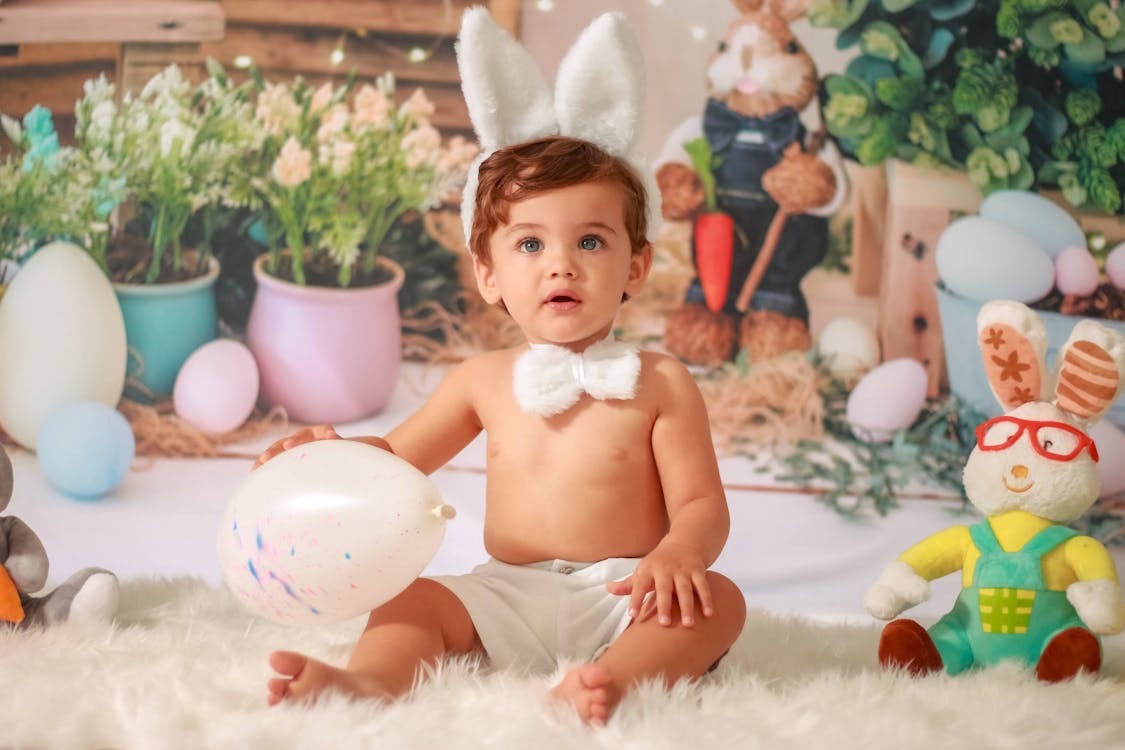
(1013, 343)
(1091, 371)
(599, 90)
(509, 101)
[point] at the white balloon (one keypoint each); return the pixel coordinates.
(329, 530)
(62, 339)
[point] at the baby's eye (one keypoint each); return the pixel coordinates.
(791, 48)
(590, 242)
(530, 245)
(722, 47)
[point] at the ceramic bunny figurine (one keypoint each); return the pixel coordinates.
(762, 225)
(89, 595)
(1034, 590)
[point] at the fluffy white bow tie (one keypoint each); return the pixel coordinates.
(550, 379)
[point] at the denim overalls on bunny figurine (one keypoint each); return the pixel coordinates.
(1034, 590)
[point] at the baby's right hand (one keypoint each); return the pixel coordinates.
(300, 437)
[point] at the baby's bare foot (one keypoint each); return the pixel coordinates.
(590, 690)
(303, 678)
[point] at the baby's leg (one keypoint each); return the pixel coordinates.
(420, 625)
(648, 649)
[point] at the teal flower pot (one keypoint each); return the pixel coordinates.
(164, 324)
(967, 380)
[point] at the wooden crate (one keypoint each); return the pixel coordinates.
(920, 205)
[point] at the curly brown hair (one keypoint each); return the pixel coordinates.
(518, 172)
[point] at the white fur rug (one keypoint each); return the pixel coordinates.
(185, 667)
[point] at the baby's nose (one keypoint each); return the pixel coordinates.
(1019, 471)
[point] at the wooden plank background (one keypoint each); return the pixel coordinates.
(284, 39)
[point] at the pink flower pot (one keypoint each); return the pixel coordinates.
(326, 354)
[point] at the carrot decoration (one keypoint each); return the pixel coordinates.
(714, 231)
(714, 252)
(10, 608)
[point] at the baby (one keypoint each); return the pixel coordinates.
(604, 506)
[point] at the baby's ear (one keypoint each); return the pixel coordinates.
(508, 99)
(599, 90)
(1013, 344)
(1091, 368)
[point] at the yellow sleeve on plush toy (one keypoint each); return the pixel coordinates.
(939, 555)
(1089, 559)
(10, 608)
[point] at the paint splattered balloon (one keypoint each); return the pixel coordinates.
(328, 531)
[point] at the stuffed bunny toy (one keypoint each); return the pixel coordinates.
(776, 194)
(90, 595)
(1033, 589)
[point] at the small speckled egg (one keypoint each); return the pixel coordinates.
(1076, 271)
(985, 260)
(1039, 218)
(1115, 266)
(847, 347)
(887, 399)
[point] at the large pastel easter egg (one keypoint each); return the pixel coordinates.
(62, 339)
(217, 386)
(1111, 448)
(1076, 271)
(1115, 266)
(329, 530)
(847, 347)
(85, 448)
(1035, 216)
(886, 400)
(985, 260)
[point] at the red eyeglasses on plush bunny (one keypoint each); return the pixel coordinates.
(758, 202)
(1034, 590)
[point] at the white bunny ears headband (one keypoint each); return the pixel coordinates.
(598, 97)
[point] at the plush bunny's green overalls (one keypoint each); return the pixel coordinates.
(1007, 612)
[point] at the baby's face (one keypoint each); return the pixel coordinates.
(562, 263)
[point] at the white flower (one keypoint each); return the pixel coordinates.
(418, 107)
(340, 156)
(421, 146)
(293, 165)
(276, 108)
(334, 122)
(174, 132)
(321, 98)
(372, 107)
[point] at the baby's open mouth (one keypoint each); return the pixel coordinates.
(1018, 490)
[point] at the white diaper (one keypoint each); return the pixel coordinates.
(531, 616)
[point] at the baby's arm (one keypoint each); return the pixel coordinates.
(445, 424)
(693, 495)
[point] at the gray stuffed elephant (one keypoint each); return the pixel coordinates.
(90, 595)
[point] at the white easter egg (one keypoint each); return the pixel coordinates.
(1110, 441)
(1115, 266)
(1076, 271)
(62, 339)
(1035, 216)
(329, 530)
(985, 260)
(847, 347)
(887, 399)
(217, 386)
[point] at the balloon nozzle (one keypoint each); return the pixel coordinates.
(445, 511)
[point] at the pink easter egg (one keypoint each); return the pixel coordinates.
(217, 386)
(1111, 447)
(1076, 271)
(1115, 266)
(887, 399)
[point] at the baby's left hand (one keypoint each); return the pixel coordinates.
(675, 572)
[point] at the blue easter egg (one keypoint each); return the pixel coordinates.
(85, 448)
(985, 260)
(1044, 221)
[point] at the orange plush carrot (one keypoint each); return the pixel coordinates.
(714, 251)
(10, 608)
